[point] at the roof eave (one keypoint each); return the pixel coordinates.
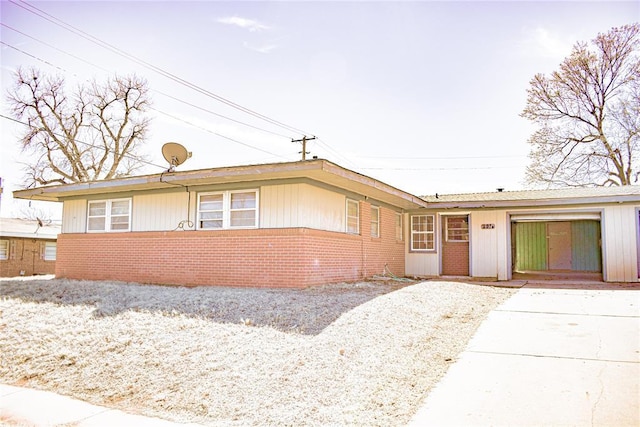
(533, 202)
(319, 169)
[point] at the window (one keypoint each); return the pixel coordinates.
(109, 215)
(375, 221)
(398, 226)
(422, 233)
(228, 209)
(353, 217)
(4, 249)
(49, 251)
(457, 228)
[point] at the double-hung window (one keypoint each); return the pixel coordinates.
(228, 209)
(423, 232)
(109, 215)
(49, 251)
(398, 226)
(375, 221)
(353, 217)
(4, 249)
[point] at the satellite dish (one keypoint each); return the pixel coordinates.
(175, 154)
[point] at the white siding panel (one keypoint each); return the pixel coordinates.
(74, 216)
(301, 205)
(159, 212)
(322, 209)
(619, 244)
(279, 206)
(484, 244)
(422, 264)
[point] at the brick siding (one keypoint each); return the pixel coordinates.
(278, 257)
(455, 258)
(26, 258)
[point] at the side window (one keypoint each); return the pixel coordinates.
(423, 233)
(399, 236)
(4, 249)
(375, 221)
(50, 251)
(109, 215)
(353, 217)
(227, 209)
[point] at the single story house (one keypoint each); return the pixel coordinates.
(27, 247)
(313, 222)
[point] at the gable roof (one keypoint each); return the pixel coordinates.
(562, 196)
(318, 170)
(28, 228)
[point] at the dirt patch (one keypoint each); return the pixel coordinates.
(364, 353)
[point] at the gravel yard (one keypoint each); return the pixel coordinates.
(349, 354)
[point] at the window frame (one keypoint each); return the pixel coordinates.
(465, 236)
(375, 224)
(46, 257)
(108, 225)
(431, 232)
(227, 210)
(5, 250)
(398, 227)
(356, 229)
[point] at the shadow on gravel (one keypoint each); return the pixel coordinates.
(306, 311)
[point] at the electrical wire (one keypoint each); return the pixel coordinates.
(167, 114)
(56, 21)
(106, 70)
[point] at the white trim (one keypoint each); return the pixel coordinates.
(108, 215)
(432, 232)
(375, 233)
(357, 216)
(226, 210)
(50, 250)
(568, 216)
(4, 249)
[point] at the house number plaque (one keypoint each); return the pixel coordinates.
(488, 226)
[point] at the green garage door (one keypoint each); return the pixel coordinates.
(531, 246)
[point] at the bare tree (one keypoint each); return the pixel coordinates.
(589, 115)
(94, 133)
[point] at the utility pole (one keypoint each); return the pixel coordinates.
(304, 145)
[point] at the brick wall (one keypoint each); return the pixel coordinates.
(279, 257)
(455, 258)
(26, 258)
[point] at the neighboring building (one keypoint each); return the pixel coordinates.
(313, 222)
(27, 247)
(579, 232)
(286, 224)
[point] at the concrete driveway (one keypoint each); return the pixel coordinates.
(555, 355)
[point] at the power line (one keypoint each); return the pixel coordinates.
(443, 158)
(167, 114)
(218, 134)
(56, 21)
(106, 70)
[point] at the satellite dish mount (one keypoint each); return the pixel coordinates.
(175, 154)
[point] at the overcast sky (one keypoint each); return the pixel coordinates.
(424, 96)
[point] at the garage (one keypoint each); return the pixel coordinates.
(557, 244)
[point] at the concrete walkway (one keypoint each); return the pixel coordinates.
(34, 408)
(548, 356)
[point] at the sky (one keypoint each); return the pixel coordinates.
(425, 96)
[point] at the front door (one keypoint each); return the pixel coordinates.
(455, 245)
(559, 245)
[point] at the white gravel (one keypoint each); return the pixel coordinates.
(349, 354)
